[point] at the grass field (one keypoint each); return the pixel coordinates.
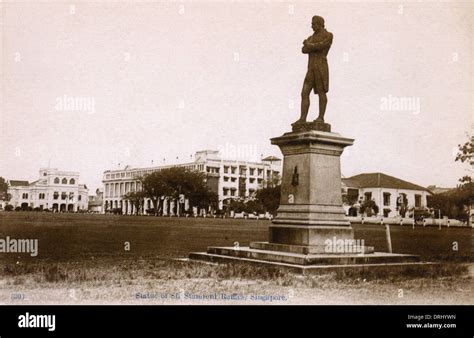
(82, 259)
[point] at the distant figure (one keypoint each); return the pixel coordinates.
(317, 77)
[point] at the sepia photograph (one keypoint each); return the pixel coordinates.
(253, 152)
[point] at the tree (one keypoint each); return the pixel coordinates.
(456, 203)
(402, 204)
(466, 151)
(453, 204)
(201, 197)
(4, 195)
(136, 198)
(175, 182)
(154, 187)
(369, 207)
(254, 206)
(269, 198)
(236, 205)
(466, 187)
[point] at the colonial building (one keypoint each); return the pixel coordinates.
(389, 193)
(54, 190)
(227, 178)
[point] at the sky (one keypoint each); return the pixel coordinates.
(92, 86)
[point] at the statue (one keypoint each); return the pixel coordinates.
(317, 78)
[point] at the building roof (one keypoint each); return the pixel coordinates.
(271, 158)
(350, 183)
(381, 180)
(18, 183)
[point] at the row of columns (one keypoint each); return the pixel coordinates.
(169, 206)
(119, 189)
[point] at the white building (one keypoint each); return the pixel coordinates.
(227, 178)
(54, 190)
(386, 191)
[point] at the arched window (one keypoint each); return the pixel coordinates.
(56, 180)
(64, 181)
(72, 181)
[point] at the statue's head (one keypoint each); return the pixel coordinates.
(317, 23)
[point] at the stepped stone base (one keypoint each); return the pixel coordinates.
(290, 257)
(308, 263)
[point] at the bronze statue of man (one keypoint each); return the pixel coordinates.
(317, 78)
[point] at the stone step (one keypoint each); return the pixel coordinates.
(311, 249)
(400, 267)
(311, 259)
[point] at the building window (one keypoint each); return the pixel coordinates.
(233, 179)
(368, 196)
(64, 181)
(252, 171)
(417, 201)
(79, 197)
(386, 198)
(233, 169)
(226, 169)
(24, 196)
(226, 179)
(226, 191)
(260, 171)
(63, 195)
(72, 181)
(251, 180)
(56, 195)
(260, 180)
(232, 192)
(41, 196)
(56, 180)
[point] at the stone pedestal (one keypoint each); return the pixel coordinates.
(310, 209)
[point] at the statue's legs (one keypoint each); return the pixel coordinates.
(323, 101)
(305, 101)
